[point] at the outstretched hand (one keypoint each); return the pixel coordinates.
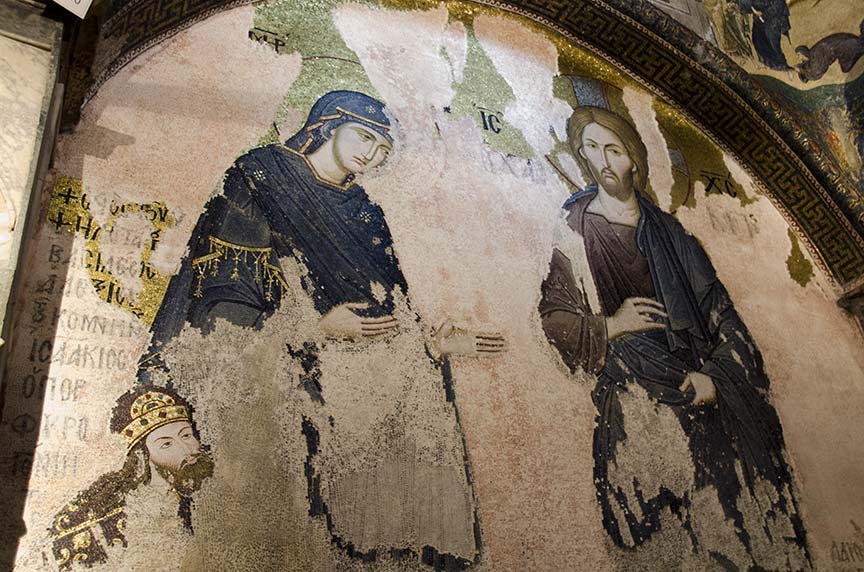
(636, 315)
(451, 340)
(342, 322)
(703, 385)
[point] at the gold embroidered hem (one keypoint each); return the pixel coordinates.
(86, 541)
(61, 531)
(257, 259)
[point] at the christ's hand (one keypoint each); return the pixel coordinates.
(635, 315)
(451, 340)
(342, 322)
(703, 385)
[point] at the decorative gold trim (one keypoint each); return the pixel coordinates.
(227, 244)
(149, 357)
(87, 524)
(274, 272)
(176, 416)
(342, 112)
(82, 540)
(315, 174)
(149, 412)
(321, 121)
(366, 119)
(222, 250)
(204, 259)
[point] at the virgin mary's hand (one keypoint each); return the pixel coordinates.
(703, 385)
(342, 322)
(451, 340)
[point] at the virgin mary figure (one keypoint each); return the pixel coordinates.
(385, 465)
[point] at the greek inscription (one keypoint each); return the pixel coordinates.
(55, 256)
(40, 351)
(50, 388)
(47, 286)
(847, 552)
(269, 37)
(76, 354)
(83, 224)
(23, 424)
(53, 464)
(733, 222)
(97, 325)
(34, 384)
(80, 288)
(66, 427)
(491, 120)
(22, 463)
(719, 183)
(496, 162)
(69, 210)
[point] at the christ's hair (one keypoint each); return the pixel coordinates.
(586, 115)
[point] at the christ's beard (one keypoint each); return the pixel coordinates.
(189, 477)
(612, 184)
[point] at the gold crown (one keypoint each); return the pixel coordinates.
(150, 411)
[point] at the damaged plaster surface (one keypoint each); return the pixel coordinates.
(26, 71)
(376, 454)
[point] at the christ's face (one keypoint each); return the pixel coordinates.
(173, 445)
(358, 148)
(608, 159)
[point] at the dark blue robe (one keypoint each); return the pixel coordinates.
(768, 31)
(703, 334)
(273, 206)
(272, 201)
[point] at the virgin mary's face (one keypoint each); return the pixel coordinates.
(358, 148)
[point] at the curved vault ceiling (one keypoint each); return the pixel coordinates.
(817, 196)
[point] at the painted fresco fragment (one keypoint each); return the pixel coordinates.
(149, 497)
(671, 356)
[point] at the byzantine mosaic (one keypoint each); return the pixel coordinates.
(338, 286)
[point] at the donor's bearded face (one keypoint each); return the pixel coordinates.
(358, 148)
(608, 159)
(176, 455)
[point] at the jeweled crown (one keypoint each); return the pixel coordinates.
(150, 411)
